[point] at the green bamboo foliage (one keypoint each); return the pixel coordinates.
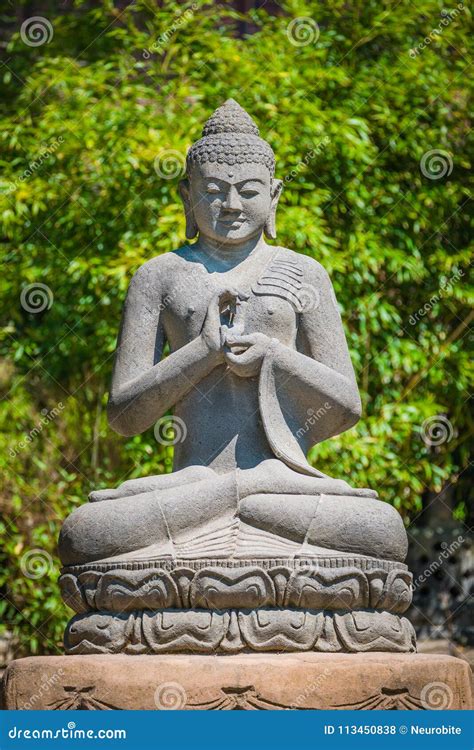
(366, 106)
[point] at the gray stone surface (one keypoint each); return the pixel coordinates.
(231, 631)
(258, 372)
(329, 583)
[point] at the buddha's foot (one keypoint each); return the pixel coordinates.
(154, 483)
(231, 631)
(271, 475)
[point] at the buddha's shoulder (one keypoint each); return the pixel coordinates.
(310, 267)
(160, 268)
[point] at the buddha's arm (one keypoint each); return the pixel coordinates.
(143, 387)
(320, 373)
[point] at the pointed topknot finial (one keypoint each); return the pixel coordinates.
(230, 117)
(230, 136)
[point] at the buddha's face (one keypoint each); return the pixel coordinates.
(230, 203)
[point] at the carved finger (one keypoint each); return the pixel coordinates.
(248, 340)
(240, 359)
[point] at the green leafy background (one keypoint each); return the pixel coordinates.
(349, 115)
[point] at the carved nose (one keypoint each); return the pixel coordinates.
(232, 201)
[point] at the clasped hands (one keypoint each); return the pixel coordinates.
(243, 354)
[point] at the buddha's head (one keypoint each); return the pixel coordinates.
(230, 194)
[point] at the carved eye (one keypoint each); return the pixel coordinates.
(213, 189)
(248, 193)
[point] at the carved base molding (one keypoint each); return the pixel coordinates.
(247, 682)
(232, 631)
(331, 583)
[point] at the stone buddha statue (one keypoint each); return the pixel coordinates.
(244, 528)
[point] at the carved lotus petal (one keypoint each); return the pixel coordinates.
(124, 590)
(183, 578)
(88, 582)
(327, 588)
(232, 642)
(280, 577)
(72, 594)
(377, 578)
(96, 633)
(184, 630)
(374, 631)
(328, 641)
(272, 630)
(397, 593)
(229, 631)
(213, 589)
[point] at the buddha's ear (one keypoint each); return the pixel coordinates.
(270, 224)
(191, 226)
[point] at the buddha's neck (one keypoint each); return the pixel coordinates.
(228, 255)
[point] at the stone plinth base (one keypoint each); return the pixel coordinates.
(244, 681)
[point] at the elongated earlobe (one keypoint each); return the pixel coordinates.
(191, 226)
(270, 224)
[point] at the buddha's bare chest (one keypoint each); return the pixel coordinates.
(255, 308)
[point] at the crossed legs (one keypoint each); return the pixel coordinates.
(165, 509)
